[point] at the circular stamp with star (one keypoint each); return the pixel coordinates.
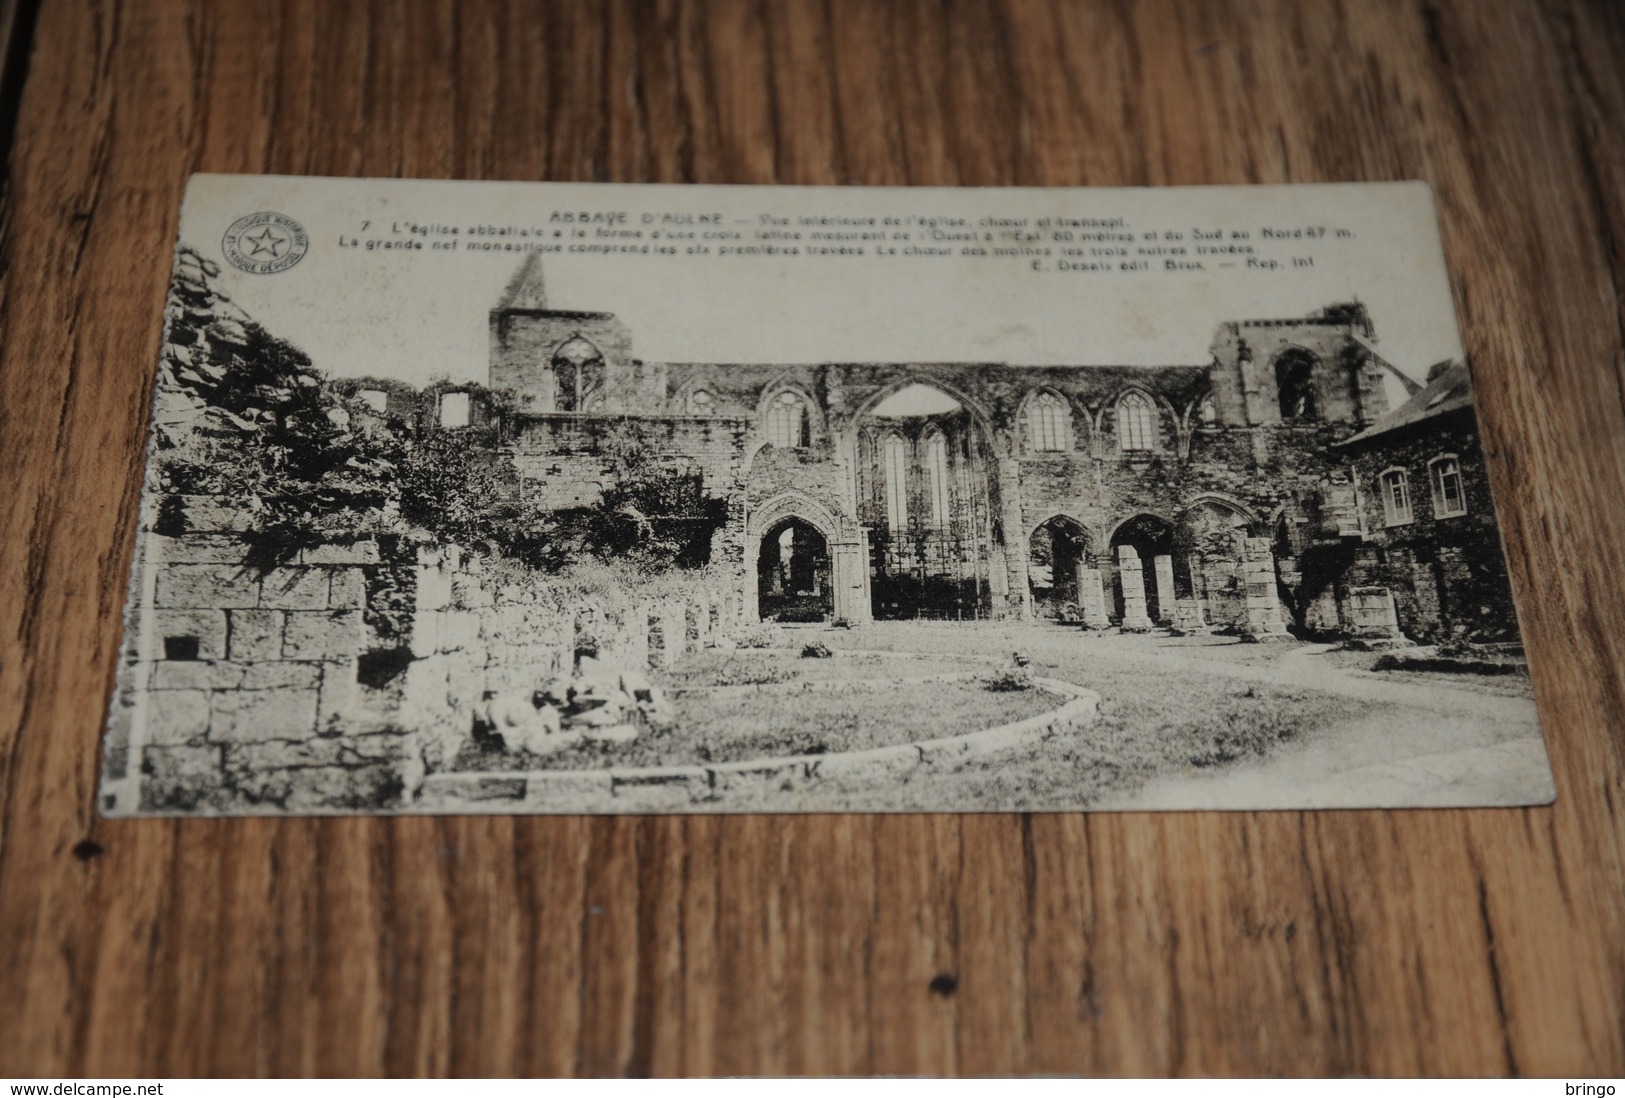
(265, 243)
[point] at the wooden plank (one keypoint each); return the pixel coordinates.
(1472, 942)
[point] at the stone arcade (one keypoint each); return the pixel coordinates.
(1116, 495)
(1182, 496)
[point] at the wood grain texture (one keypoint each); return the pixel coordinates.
(1451, 942)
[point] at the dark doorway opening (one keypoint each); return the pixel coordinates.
(1057, 547)
(793, 574)
(1150, 537)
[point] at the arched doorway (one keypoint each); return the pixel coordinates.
(1055, 550)
(1148, 537)
(793, 573)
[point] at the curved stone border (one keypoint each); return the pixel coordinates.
(824, 686)
(676, 788)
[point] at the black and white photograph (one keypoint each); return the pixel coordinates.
(549, 498)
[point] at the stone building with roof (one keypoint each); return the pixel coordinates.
(1431, 534)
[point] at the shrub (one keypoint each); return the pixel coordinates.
(815, 651)
(1010, 679)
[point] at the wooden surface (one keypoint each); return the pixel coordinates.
(1477, 942)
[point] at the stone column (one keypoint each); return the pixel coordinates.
(1164, 566)
(849, 576)
(1131, 575)
(1019, 594)
(1092, 598)
(1263, 606)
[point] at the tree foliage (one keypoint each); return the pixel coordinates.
(245, 418)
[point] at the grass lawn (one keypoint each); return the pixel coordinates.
(739, 726)
(1153, 721)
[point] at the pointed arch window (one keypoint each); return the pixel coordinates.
(570, 364)
(936, 477)
(787, 422)
(1136, 423)
(1048, 422)
(894, 453)
(1207, 412)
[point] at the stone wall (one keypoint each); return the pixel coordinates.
(481, 629)
(240, 688)
(333, 682)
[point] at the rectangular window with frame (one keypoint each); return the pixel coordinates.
(1449, 499)
(1396, 497)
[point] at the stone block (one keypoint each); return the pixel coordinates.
(359, 552)
(242, 716)
(208, 626)
(1188, 619)
(207, 514)
(195, 675)
(347, 589)
(337, 696)
(206, 586)
(255, 634)
(295, 589)
(322, 634)
(280, 675)
(425, 638)
(178, 716)
(197, 549)
(247, 759)
(433, 588)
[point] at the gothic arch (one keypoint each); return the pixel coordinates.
(1076, 431)
(682, 400)
(1164, 421)
(1111, 531)
(792, 504)
(1223, 502)
(817, 425)
(979, 414)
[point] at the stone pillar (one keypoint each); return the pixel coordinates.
(849, 577)
(1019, 593)
(1131, 575)
(1092, 599)
(1263, 606)
(1373, 619)
(1164, 566)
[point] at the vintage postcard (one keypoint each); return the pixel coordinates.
(548, 498)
